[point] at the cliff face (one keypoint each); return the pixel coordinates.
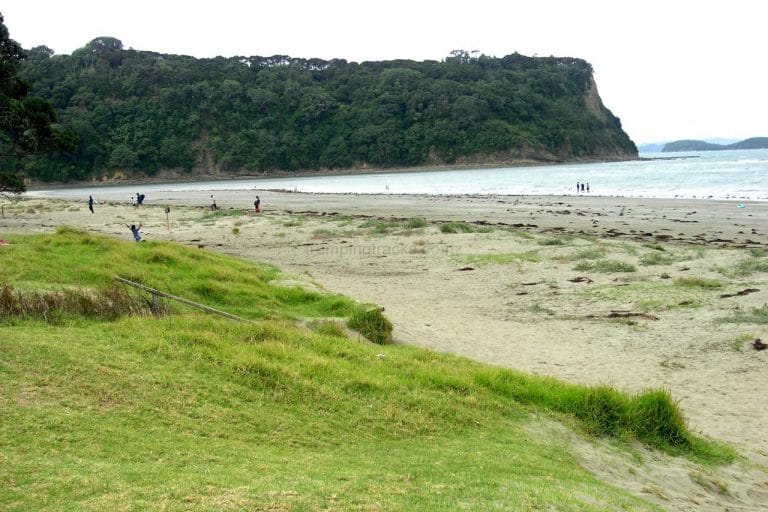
(146, 113)
(618, 145)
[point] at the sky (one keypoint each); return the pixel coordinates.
(670, 70)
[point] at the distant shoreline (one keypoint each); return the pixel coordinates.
(180, 177)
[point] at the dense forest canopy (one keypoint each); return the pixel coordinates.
(27, 123)
(143, 112)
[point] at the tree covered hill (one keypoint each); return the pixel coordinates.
(141, 112)
(699, 145)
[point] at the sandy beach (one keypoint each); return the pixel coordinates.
(629, 292)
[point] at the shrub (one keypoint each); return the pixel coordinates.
(456, 227)
(655, 418)
(550, 241)
(416, 223)
(372, 324)
(602, 409)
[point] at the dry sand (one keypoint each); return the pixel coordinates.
(510, 294)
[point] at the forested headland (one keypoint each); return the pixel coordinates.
(142, 113)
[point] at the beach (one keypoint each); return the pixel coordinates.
(628, 292)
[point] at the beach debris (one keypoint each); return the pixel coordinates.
(464, 269)
(758, 344)
(534, 283)
(580, 279)
(631, 314)
(741, 293)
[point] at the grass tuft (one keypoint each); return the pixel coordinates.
(604, 266)
(502, 258)
(372, 324)
(757, 316)
(698, 282)
(416, 223)
(456, 227)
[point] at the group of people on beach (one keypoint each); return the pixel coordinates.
(582, 188)
(256, 204)
(138, 200)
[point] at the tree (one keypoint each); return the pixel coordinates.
(27, 123)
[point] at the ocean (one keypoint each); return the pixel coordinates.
(732, 175)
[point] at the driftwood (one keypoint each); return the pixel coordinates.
(157, 293)
(746, 291)
(630, 314)
(623, 314)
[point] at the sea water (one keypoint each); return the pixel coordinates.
(736, 175)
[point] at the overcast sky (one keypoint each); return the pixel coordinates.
(673, 69)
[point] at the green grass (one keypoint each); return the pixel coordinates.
(647, 296)
(193, 412)
(604, 266)
(223, 213)
(463, 227)
(749, 266)
(698, 282)
(76, 258)
(373, 325)
(656, 258)
(738, 343)
(456, 227)
(757, 316)
(380, 227)
(502, 258)
(416, 223)
(554, 240)
(594, 253)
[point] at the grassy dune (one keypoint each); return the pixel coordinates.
(188, 411)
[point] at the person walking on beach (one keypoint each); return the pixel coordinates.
(91, 202)
(577, 187)
(213, 203)
(257, 205)
(135, 231)
(133, 201)
(587, 188)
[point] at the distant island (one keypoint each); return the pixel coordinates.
(700, 145)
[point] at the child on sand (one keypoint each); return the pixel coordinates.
(135, 231)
